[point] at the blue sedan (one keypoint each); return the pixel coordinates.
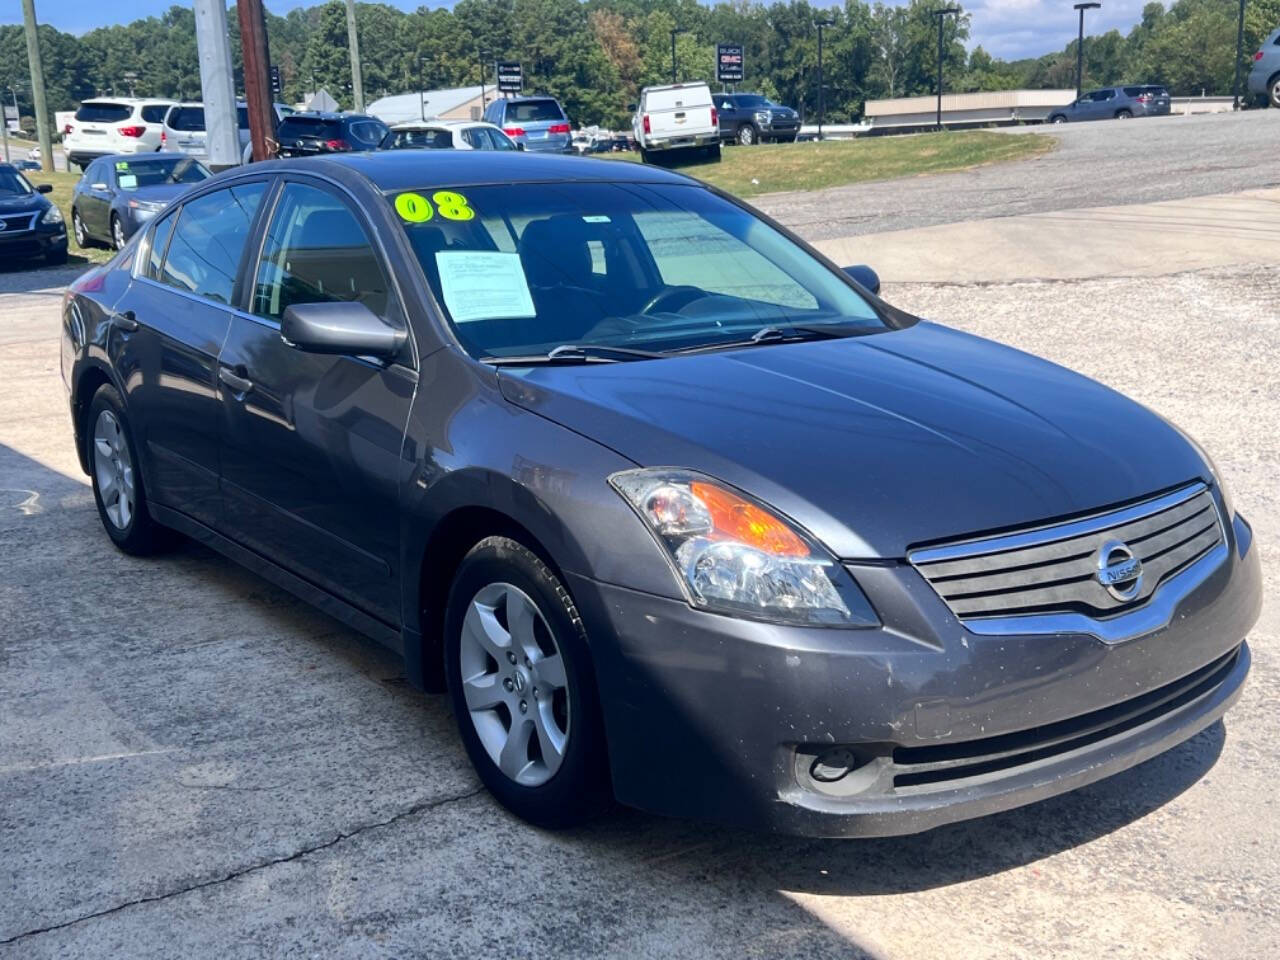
(118, 194)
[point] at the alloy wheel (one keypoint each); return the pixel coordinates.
(77, 225)
(1059, 119)
(746, 135)
(117, 233)
(515, 684)
(113, 469)
(1275, 93)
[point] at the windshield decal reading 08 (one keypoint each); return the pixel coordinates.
(415, 208)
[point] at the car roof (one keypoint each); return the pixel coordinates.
(394, 170)
(441, 124)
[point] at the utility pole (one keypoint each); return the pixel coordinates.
(257, 82)
(353, 41)
(422, 93)
(217, 85)
(37, 85)
(822, 100)
(1235, 87)
(1082, 7)
(942, 15)
(673, 50)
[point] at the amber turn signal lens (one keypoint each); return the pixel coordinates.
(736, 519)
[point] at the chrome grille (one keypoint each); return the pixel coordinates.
(1054, 569)
(19, 222)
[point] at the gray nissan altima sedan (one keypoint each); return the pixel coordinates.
(678, 512)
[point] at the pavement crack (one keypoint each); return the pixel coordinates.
(414, 810)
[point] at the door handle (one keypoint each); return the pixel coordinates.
(126, 321)
(235, 382)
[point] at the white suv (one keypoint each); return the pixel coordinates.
(106, 126)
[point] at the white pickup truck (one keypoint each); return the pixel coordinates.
(679, 118)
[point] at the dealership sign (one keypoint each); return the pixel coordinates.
(510, 78)
(729, 62)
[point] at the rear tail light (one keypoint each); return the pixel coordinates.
(66, 131)
(337, 145)
(516, 131)
(1144, 98)
(715, 118)
(132, 131)
(647, 128)
(1258, 55)
(164, 138)
(558, 128)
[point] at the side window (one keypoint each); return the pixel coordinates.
(204, 254)
(159, 241)
(316, 251)
(473, 139)
(154, 112)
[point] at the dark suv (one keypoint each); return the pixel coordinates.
(750, 117)
(305, 134)
(1120, 103)
(539, 124)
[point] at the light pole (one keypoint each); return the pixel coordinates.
(1235, 87)
(822, 102)
(1082, 7)
(942, 15)
(674, 31)
(422, 93)
(16, 119)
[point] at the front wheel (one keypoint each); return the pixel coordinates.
(522, 686)
(117, 482)
(747, 135)
(78, 228)
(1058, 118)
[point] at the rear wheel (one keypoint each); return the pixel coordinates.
(1057, 118)
(522, 686)
(1124, 114)
(117, 482)
(78, 228)
(1273, 91)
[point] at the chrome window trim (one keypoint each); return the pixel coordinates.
(1156, 614)
(1060, 531)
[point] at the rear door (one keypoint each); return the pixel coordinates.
(95, 197)
(186, 131)
(179, 307)
(311, 443)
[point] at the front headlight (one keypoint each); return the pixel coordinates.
(734, 556)
(52, 215)
(147, 206)
(762, 116)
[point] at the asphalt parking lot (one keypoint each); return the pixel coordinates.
(192, 763)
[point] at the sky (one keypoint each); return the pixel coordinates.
(1005, 28)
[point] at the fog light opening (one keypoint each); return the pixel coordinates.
(836, 764)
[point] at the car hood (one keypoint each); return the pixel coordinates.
(879, 443)
(25, 204)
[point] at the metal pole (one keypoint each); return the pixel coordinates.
(1082, 7)
(422, 93)
(37, 84)
(4, 132)
(257, 82)
(1235, 87)
(353, 41)
(480, 64)
(940, 71)
(822, 103)
(217, 84)
(673, 56)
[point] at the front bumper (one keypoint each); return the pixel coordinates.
(719, 718)
(40, 242)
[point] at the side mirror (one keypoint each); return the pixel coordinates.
(44, 188)
(97, 186)
(340, 327)
(865, 277)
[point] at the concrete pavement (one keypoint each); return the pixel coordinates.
(194, 764)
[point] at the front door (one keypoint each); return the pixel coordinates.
(311, 443)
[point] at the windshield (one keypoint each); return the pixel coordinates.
(13, 184)
(295, 127)
(158, 171)
(645, 266)
(103, 112)
(751, 101)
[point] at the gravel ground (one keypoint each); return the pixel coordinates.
(1096, 164)
(195, 764)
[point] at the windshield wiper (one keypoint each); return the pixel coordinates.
(576, 353)
(788, 333)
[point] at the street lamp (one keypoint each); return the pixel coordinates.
(674, 31)
(942, 15)
(1235, 87)
(1082, 7)
(822, 103)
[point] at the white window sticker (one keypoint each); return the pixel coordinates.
(483, 285)
(127, 181)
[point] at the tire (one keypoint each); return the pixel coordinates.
(488, 680)
(56, 258)
(83, 240)
(118, 239)
(1057, 118)
(1273, 91)
(113, 468)
(1124, 115)
(747, 135)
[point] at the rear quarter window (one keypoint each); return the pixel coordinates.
(1132, 91)
(154, 112)
(103, 112)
